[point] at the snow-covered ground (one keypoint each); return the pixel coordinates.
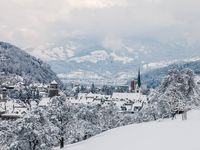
(160, 135)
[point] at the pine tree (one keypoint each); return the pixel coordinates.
(92, 88)
(20, 94)
(37, 94)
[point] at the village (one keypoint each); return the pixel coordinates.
(41, 95)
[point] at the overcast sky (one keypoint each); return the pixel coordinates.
(35, 22)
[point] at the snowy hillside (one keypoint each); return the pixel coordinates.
(154, 77)
(160, 135)
(16, 64)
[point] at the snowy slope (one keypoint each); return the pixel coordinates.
(163, 135)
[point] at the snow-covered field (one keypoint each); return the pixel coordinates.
(160, 135)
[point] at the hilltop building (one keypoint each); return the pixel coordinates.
(53, 89)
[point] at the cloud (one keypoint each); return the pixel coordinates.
(112, 43)
(35, 22)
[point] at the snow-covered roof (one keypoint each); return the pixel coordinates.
(137, 104)
(33, 104)
(20, 111)
(90, 97)
(44, 101)
(82, 95)
(2, 109)
(129, 96)
(93, 95)
(11, 115)
(12, 104)
(1, 96)
(119, 103)
(54, 82)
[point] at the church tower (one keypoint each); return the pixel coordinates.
(139, 79)
(138, 82)
(135, 86)
(53, 89)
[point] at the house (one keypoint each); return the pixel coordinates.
(12, 110)
(129, 96)
(2, 109)
(3, 95)
(130, 102)
(11, 116)
(87, 98)
(92, 96)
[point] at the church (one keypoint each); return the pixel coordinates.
(133, 100)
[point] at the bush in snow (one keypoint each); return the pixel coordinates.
(33, 132)
(79, 122)
(61, 114)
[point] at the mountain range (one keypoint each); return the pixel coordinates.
(114, 62)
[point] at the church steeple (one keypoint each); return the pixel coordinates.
(139, 79)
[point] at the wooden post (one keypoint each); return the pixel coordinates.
(184, 115)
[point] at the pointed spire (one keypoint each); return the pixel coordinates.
(139, 79)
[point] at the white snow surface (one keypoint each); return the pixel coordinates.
(161, 64)
(80, 74)
(94, 57)
(101, 55)
(49, 52)
(159, 135)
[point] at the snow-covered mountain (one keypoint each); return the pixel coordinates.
(110, 58)
(16, 64)
(165, 135)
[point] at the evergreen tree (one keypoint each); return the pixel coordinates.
(92, 88)
(37, 94)
(20, 94)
